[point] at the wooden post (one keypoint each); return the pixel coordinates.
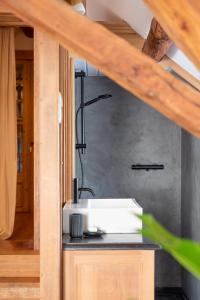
(47, 185)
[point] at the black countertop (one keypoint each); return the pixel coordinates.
(109, 242)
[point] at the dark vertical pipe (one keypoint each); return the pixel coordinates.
(75, 190)
(82, 115)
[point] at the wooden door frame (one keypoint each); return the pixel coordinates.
(26, 57)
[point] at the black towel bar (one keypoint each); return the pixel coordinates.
(147, 167)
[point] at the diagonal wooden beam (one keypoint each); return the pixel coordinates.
(115, 57)
(3, 8)
(181, 20)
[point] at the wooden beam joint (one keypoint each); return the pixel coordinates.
(157, 43)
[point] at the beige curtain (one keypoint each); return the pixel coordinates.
(8, 133)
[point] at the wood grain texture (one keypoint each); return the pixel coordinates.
(19, 288)
(116, 58)
(97, 275)
(181, 20)
(66, 83)
(157, 43)
(7, 20)
(3, 9)
(19, 281)
(19, 265)
(47, 139)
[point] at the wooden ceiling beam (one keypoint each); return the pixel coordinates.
(3, 8)
(8, 19)
(157, 43)
(115, 57)
(181, 20)
(123, 30)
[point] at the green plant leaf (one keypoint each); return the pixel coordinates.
(185, 251)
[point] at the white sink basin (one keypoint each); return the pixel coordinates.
(109, 215)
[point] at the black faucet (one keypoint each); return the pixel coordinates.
(81, 189)
(86, 189)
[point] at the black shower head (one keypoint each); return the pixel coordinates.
(100, 97)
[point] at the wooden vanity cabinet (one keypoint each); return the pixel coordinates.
(108, 275)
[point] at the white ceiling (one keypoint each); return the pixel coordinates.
(139, 17)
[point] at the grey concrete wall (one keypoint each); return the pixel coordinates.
(123, 131)
(190, 203)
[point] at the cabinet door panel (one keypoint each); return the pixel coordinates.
(109, 275)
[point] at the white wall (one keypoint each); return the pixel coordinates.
(138, 16)
(181, 59)
(134, 12)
